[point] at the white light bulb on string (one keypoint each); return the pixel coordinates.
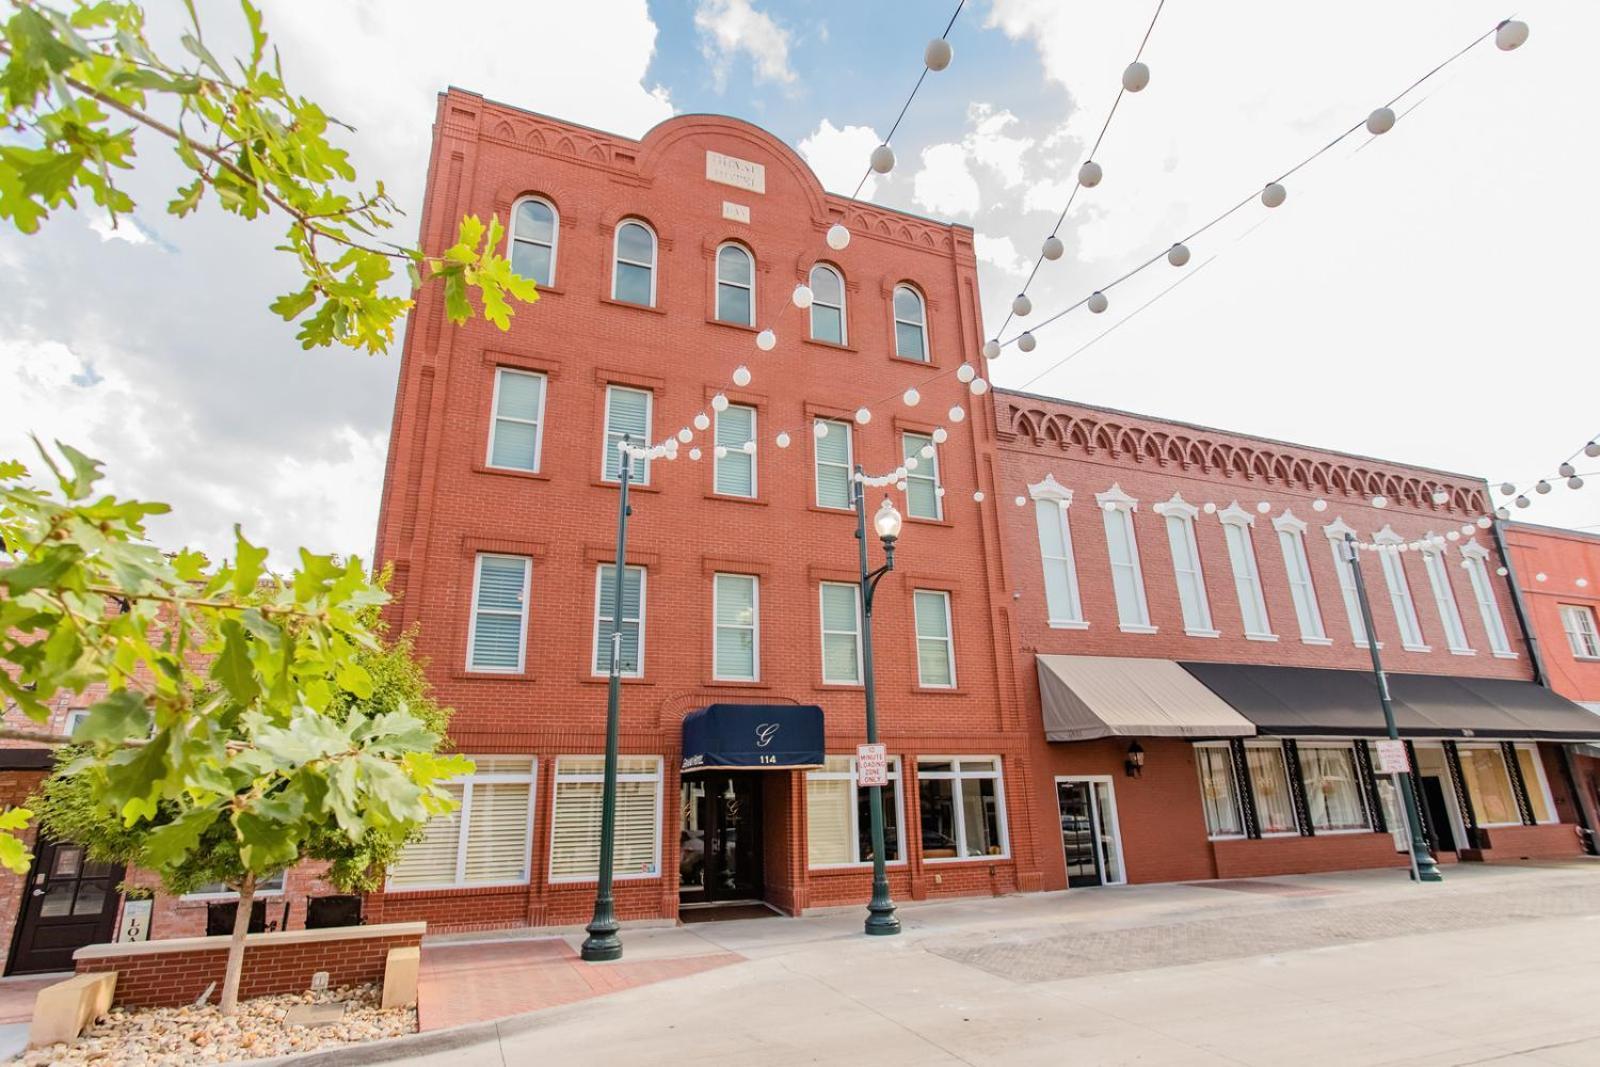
(1441, 497)
(702, 421)
(1110, 505)
(1135, 76)
(802, 295)
(1466, 529)
(1502, 513)
(721, 451)
(1484, 522)
(958, 413)
(1210, 508)
(1089, 174)
(1566, 470)
(1542, 488)
(1381, 121)
(1052, 248)
(749, 448)
(1592, 449)
(1452, 535)
(900, 472)
(719, 403)
(911, 397)
(901, 486)
(939, 492)
(926, 451)
(863, 416)
(1380, 501)
(1574, 482)
(991, 349)
(1021, 501)
(1274, 194)
(1021, 305)
(1027, 342)
(937, 55)
(819, 430)
(978, 386)
(965, 373)
(1522, 502)
(1501, 571)
(912, 463)
(694, 454)
(883, 159)
(1263, 507)
(838, 237)
(766, 340)
(1319, 505)
(686, 435)
(1178, 254)
(1506, 489)
(940, 435)
(1510, 35)
(977, 496)
(741, 376)
(1097, 302)
(1541, 577)
(782, 440)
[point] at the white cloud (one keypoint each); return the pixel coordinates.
(839, 156)
(729, 27)
(122, 229)
(945, 185)
(1000, 253)
(991, 146)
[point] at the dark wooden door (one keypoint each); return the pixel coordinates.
(720, 841)
(68, 902)
(1444, 838)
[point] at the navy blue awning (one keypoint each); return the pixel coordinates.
(752, 737)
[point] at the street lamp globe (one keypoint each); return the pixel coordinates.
(887, 522)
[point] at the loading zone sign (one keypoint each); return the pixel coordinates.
(1392, 757)
(872, 766)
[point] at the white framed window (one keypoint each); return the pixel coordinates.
(632, 628)
(516, 431)
(1236, 523)
(736, 285)
(1269, 787)
(1292, 540)
(535, 228)
(735, 473)
(1179, 516)
(497, 638)
(838, 819)
(1444, 598)
(633, 268)
(1578, 622)
(1474, 558)
(75, 718)
(924, 497)
(267, 887)
(1333, 787)
(486, 840)
(575, 818)
(628, 414)
(1219, 790)
(1064, 606)
(910, 324)
(736, 644)
(827, 305)
(1122, 545)
(963, 808)
(1336, 531)
(1484, 773)
(936, 649)
(834, 454)
(841, 632)
(1394, 577)
(1533, 776)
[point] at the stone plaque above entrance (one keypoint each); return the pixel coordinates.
(731, 170)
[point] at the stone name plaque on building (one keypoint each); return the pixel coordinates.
(740, 173)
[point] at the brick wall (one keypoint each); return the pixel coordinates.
(1548, 841)
(177, 972)
(1306, 855)
(15, 788)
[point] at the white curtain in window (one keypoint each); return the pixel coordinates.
(1333, 795)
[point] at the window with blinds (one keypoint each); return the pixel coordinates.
(1578, 623)
(486, 840)
(496, 639)
(923, 499)
(632, 627)
(514, 437)
(841, 633)
(833, 457)
(936, 654)
(838, 815)
(735, 609)
(627, 415)
(575, 818)
(735, 465)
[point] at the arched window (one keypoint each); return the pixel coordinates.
(827, 305)
(633, 275)
(533, 240)
(736, 285)
(910, 324)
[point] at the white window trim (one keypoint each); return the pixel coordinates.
(1592, 629)
(275, 893)
(472, 615)
(751, 288)
(1273, 745)
(594, 653)
(755, 628)
(1400, 595)
(958, 775)
(1544, 783)
(639, 471)
(1180, 510)
(930, 461)
(834, 426)
(922, 306)
(823, 632)
(537, 422)
(1494, 626)
(1335, 532)
(1298, 559)
(1061, 497)
(555, 233)
(464, 820)
(1115, 501)
(844, 319)
(616, 257)
(557, 778)
(1116, 824)
(1233, 789)
(1234, 515)
(949, 640)
(895, 778)
(716, 463)
(74, 718)
(1436, 564)
(1346, 745)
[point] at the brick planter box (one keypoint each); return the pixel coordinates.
(170, 973)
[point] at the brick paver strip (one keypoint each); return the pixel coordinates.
(1087, 951)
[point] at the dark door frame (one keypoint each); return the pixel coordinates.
(44, 850)
(716, 782)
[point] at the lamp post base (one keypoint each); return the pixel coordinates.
(881, 919)
(602, 945)
(1428, 868)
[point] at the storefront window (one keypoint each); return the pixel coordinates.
(1489, 786)
(1269, 781)
(963, 808)
(1217, 793)
(1333, 791)
(839, 816)
(1538, 788)
(575, 819)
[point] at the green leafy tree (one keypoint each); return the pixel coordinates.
(249, 720)
(81, 83)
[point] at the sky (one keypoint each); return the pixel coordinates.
(1426, 297)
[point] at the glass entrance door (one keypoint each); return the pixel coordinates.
(1089, 835)
(720, 838)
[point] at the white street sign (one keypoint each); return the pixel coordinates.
(872, 765)
(1392, 757)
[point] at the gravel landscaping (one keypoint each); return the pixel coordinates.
(158, 1037)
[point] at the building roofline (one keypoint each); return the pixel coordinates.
(1477, 478)
(710, 115)
(1513, 525)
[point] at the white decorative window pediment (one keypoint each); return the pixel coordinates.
(1177, 507)
(1338, 530)
(1236, 515)
(1050, 489)
(1288, 521)
(1116, 498)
